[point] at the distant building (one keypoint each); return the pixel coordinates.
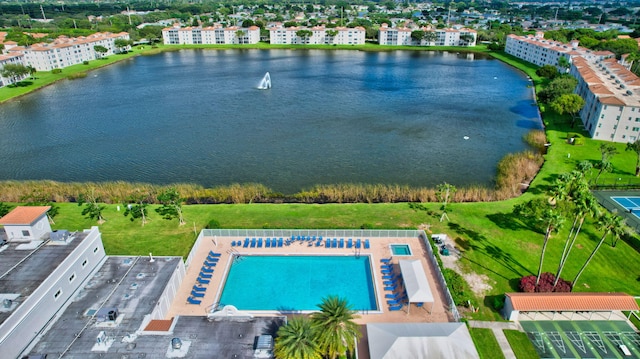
(456, 36)
(65, 51)
(17, 59)
(210, 35)
(320, 35)
(27, 223)
(540, 51)
(612, 99)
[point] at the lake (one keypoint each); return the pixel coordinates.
(402, 117)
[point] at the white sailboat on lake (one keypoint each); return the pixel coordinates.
(265, 84)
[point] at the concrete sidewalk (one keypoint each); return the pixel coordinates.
(497, 328)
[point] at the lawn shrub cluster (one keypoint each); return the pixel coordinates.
(537, 139)
(56, 71)
(77, 75)
(545, 285)
(458, 286)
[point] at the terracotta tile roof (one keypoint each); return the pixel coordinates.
(24, 215)
(611, 100)
(531, 302)
(158, 325)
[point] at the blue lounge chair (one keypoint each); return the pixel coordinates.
(253, 242)
(203, 281)
(206, 270)
(280, 242)
(391, 288)
(419, 304)
(233, 243)
(350, 243)
(190, 300)
(341, 242)
(319, 238)
(392, 296)
(199, 289)
(212, 259)
(210, 264)
(206, 275)
(385, 260)
(394, 301)
(395, 308)
(387, 271)
(246, 243)
(389, 282)
(318, 243)
(389, 276)
(214, 254)
(197, 294)
(267, 242)
(334, 244)
(260, 242)
(313, 238)
(367, 245)
(274, 242)
(358, 243)
(327, 243)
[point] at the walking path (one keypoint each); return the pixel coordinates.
(497, 328)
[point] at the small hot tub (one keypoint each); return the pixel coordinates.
(400, 249)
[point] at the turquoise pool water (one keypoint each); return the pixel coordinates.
(292, 283)
(400, 250)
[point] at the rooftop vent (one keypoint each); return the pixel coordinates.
(629, 92)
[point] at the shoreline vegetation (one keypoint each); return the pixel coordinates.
(514, 172)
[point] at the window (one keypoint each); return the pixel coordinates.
(84, 263)
(635, 129)
(26, 233)
(73, 276)
(55, 296)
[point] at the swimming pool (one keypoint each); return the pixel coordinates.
(400, 249)
(298, 283)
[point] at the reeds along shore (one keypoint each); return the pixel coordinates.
(514, 172)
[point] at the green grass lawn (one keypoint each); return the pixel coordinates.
(486, 343)
(521, 345)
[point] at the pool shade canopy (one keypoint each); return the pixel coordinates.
(415, 282)
(420, 340)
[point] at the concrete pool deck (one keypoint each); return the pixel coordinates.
(379, 249)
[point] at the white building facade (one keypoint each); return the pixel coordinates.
(612, 99)
(15, 59)
(26, 223)
(211, 35)
(64, 51)
(540, 51)
(319, 35)
(34, 310)
(457, 36)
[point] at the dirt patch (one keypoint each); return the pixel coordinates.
(479, 283)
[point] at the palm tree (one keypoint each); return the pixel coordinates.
(337, 332)
(296, 340)
(554, 222)
(585, 204)
(635, 147)
(608, 223)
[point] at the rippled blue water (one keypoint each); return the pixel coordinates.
(331, 117)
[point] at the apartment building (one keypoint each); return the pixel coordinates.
(455, 36)
(17, 59)
(65, 51)
(540, 51)
(320, 35)
(612, 99)
(210, 35)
